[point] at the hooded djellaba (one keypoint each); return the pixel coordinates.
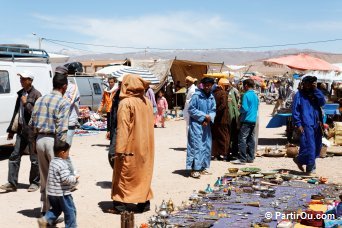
(134, 158)
(220, 128)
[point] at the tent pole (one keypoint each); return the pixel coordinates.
(221, 67)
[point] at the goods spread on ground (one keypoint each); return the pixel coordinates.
(254, 198)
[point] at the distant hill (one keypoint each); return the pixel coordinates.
(253, 58)
(228, 57)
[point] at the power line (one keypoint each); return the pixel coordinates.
(188, 49)
(63, 45)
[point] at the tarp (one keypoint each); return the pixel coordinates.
(144, 73)
(219, 75)
(110, 69)
(235, 67)
(302, 62)
(182, 68)
(160, 68)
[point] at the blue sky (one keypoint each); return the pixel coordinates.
(187, 24)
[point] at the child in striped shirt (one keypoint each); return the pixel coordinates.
(59, 185)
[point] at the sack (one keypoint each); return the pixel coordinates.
(15, 123)
(338, 128)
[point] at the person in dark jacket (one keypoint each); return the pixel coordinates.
(25, 136)
(220, 128)
(111, 131)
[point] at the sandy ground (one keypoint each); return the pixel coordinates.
(170, 180)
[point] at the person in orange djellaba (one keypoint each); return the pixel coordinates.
(134, 154)
(162, 107)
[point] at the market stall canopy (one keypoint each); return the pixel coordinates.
(235, 67)
(182, 68)
(182, 90)
(144, 73)
(257, 78)
(302, 62)
(219, 75)
(159, 67)
(110, 69)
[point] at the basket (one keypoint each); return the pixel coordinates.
(292, 151)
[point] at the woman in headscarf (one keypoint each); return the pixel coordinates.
(134, 155)
(220, 128)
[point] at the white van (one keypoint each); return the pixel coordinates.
(90, 89)
(14, 60)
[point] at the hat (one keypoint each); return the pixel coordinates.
(223, 81)
(207, 80)
(309, 79)
(190, 79)
(26, 74)
(61, 70)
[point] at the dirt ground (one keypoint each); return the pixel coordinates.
(170, 180)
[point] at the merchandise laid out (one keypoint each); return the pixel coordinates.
(254, 198)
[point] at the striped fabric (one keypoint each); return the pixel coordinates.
(144, 73)
(51, 115)
(60, 180)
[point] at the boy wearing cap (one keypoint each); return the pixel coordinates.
(307, 118)
(26, 99)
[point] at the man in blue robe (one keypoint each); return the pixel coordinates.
(307, 118)
(202, 111)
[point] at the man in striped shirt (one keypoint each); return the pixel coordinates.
(50, 119)
(60, 182)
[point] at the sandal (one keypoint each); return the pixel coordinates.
(205, 172)
(195, 174)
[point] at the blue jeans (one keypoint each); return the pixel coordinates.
(247, 142)
(15, 159)
(61, 204)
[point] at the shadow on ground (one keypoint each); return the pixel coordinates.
(101, 145)
(107, 207)
(271, 142)
(31, 213)
(182, 172)
(178, 148)
(104, 184)
(293, 172)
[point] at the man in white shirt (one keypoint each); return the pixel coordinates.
(191, 88)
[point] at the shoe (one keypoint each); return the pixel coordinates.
(58, 220)
(8, 187)
(33, 188)
(311, 173)
(155, 126)
(195, 174)
(311, 170)
(237, 162)
(300, 166)
(42, 222)
(119, 207)
(143, 207)
(205, 172)
(250, 161)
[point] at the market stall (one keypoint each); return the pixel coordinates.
(250, 197)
